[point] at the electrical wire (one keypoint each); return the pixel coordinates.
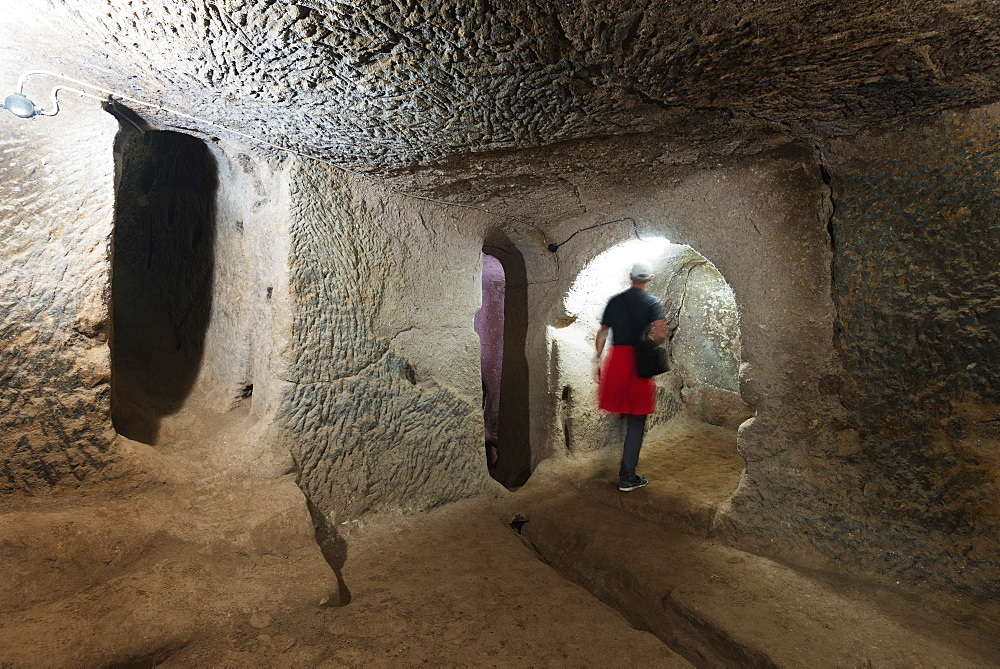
(635, 228)
(112, 95)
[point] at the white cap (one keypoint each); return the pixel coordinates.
(642, 272)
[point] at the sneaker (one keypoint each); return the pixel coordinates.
(637, 482)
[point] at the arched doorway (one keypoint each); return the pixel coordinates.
(502, 325)
(690, 444)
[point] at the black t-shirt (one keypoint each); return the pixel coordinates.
(628, 314)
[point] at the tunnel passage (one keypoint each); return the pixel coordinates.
(502, 325)
(697, 451)
(705, 348)
(162, 273)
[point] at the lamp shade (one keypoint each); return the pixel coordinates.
(18, 104)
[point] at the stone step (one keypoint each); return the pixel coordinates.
(719, 606)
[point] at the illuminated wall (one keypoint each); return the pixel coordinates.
(57, 185)
(381, 405)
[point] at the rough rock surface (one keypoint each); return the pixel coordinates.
(707, 342)
(646, 554)
(198, 280)
(389, 83)
(371, 428)
(458, 587)
(893, 473)
(918, 291)
(165, 573)
(55, 235)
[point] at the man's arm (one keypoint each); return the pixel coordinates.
(602, 338)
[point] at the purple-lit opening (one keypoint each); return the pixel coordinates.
(489, 326)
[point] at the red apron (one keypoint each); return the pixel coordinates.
(619, 389)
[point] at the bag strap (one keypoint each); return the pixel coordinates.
(628, 306)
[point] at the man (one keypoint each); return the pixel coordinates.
(620, 390)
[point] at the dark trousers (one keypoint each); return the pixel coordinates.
(630, 451)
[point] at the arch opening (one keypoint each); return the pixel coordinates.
(162, 276)
(699, 406)
(502, 326)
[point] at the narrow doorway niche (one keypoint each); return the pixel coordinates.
(489, 326)
(162, 272)
(502, 327)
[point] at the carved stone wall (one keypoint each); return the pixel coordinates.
(871, 364)
(383, 405)
(57, 180)
(249, 312)
(917, 284)
(707, 342)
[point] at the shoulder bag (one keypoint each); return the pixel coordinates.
(650, 359)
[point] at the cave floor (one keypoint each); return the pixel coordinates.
(649, 553)
(181, 571)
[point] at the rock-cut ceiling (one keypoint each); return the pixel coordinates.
(390, 83)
